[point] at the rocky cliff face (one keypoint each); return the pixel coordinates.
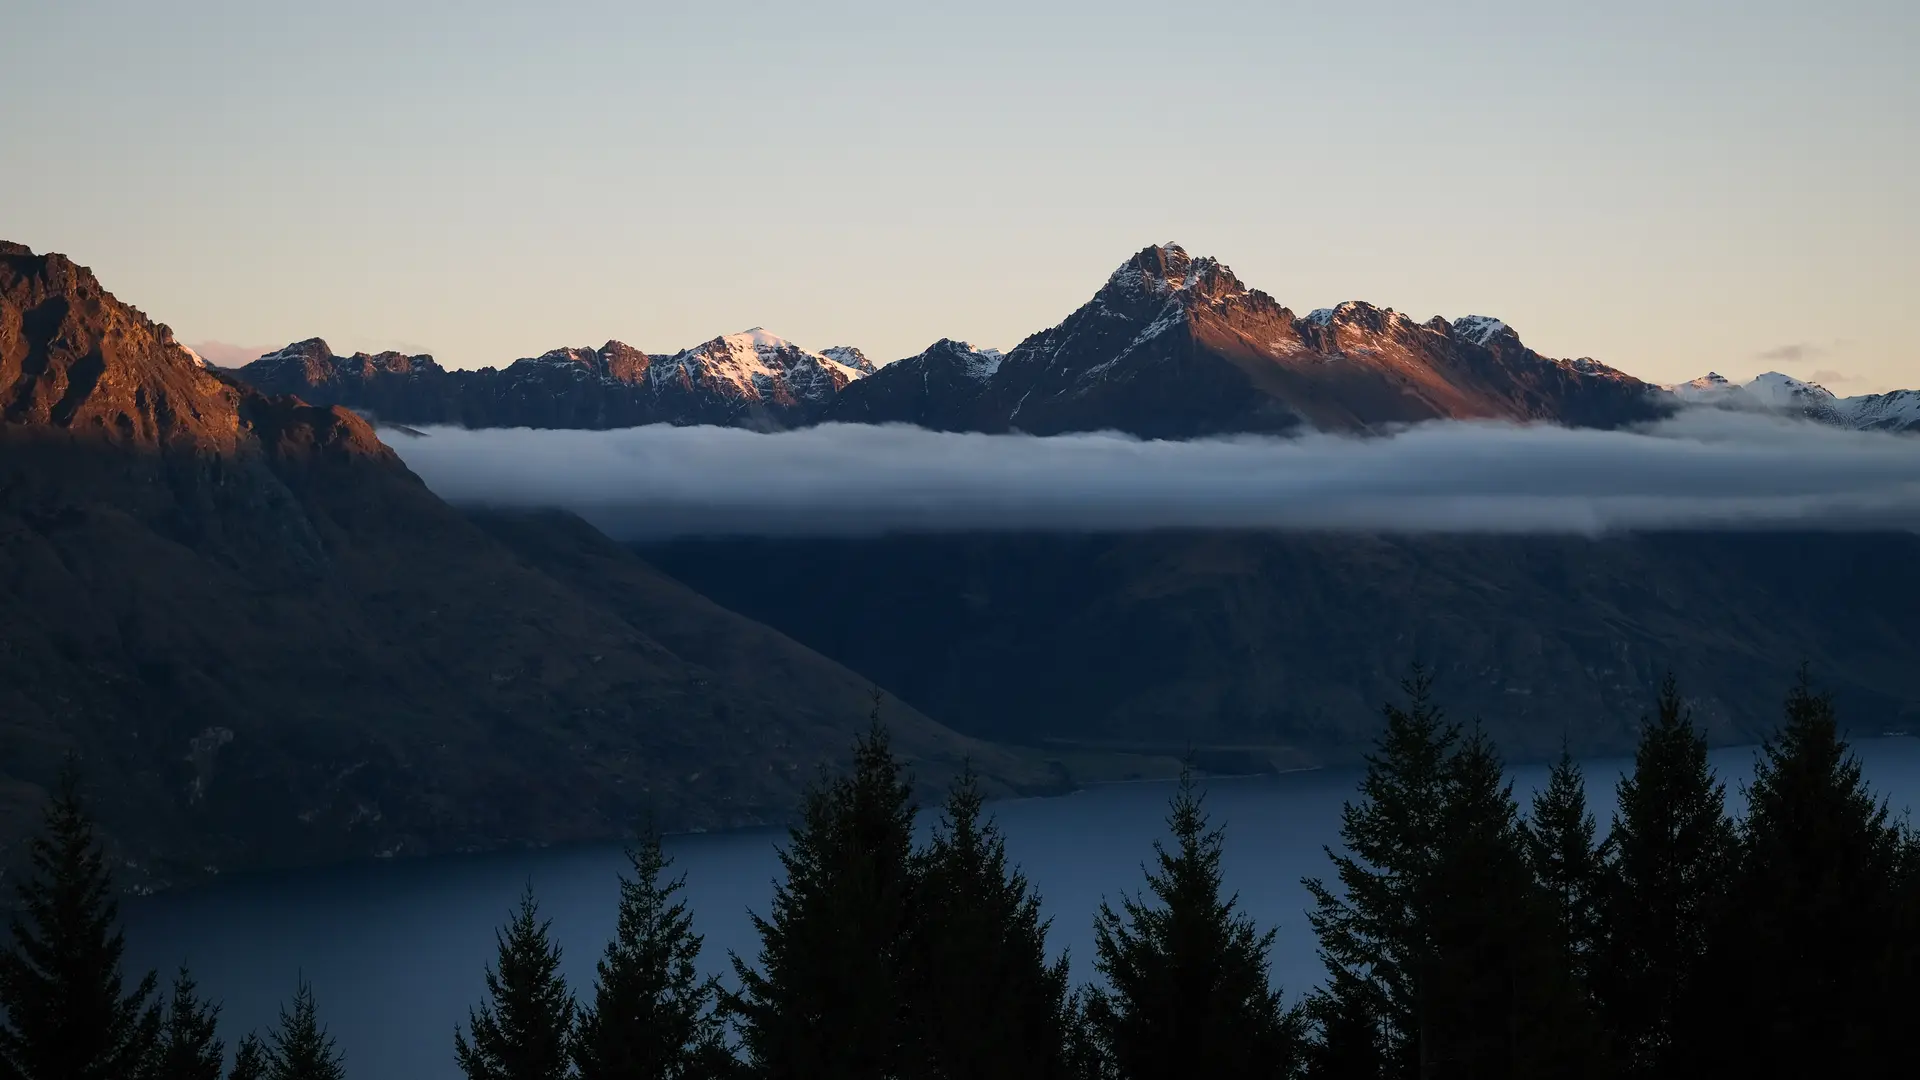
(270, 644)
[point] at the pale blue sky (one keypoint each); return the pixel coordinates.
(1669, 187)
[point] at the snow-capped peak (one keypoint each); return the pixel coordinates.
(1778, 390)
(1479, 329)
(758, 336)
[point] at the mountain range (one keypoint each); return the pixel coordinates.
(1171, 346)
(270, 643)
(751, 378)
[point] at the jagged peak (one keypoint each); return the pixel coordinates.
(1167, 269)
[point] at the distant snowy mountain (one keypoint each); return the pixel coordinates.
(753, 377)
(1896, 410)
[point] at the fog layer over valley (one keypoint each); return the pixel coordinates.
(1701, 469)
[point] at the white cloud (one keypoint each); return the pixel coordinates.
(1704, 469)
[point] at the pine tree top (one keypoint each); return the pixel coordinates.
(299, 1047)
(67, 1010)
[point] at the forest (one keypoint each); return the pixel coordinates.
(1463, 935)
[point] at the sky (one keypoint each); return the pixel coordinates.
(1668, 187)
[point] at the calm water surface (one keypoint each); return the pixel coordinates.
(395, 951)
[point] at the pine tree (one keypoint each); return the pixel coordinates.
(1815, 909)
(249, 1060)
(1084, 1057)
(1187, 973)
(1374, 931)
(829, 998)
(1567, 862)
(987, 1002)
(1350, 1045)
(298, 1048)
(1670, 856)
(1441, 947)
(524, 1031)
(1901, 959)
(189, 1048)
(67, 1012)
(1498, 998)
(652, 1016)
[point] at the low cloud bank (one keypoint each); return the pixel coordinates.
(1703, 469)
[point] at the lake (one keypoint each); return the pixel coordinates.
(395, 951)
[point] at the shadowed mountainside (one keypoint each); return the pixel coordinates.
(271, 644)
(1289, 640)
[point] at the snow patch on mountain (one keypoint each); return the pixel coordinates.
(848, 356)
(982, 364)
(976, 364)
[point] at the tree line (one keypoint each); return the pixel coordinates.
(1462, 937)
